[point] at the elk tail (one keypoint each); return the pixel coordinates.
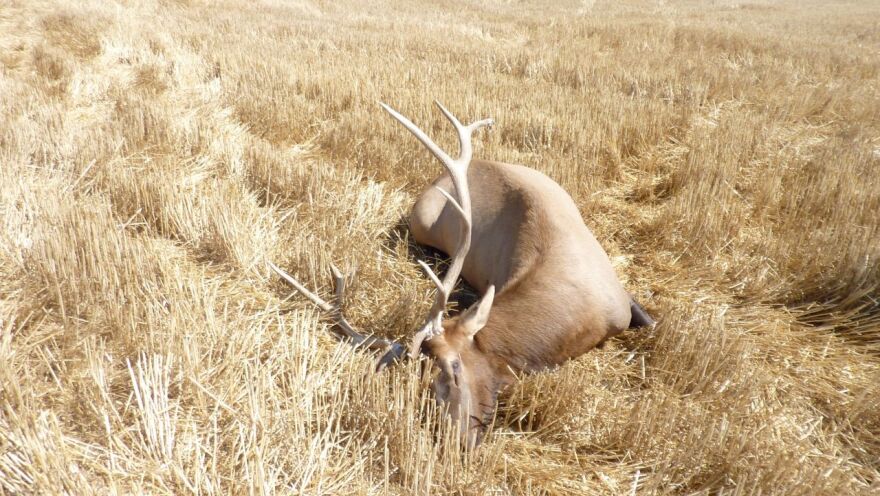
(640, 317)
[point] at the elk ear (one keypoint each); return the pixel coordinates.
(474, 318)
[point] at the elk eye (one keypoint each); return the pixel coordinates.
(456, 367)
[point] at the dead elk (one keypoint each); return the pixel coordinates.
(548, 290)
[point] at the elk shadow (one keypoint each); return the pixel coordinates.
(463, 296)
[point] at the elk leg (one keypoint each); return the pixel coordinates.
(640, 317)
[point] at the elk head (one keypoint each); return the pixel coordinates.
(466, 378)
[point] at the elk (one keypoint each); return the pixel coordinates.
(548, 290)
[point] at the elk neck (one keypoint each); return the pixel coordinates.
(531, 328)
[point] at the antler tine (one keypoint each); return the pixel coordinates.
(429, 144)
(453, 119)
(320, 303)
(432, 276)
(415, 346)
(464, 134)
(349, 332)
(455, 204)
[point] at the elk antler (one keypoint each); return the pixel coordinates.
(335, 310)
(457, 169)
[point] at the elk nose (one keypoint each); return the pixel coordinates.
(441, 392)
(472, 437)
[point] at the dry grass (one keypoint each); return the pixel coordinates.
(154, 154)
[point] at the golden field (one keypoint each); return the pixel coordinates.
(154, 156)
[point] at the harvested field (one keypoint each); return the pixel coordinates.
(155, 154)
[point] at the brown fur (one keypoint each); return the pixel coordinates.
(557, 294)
